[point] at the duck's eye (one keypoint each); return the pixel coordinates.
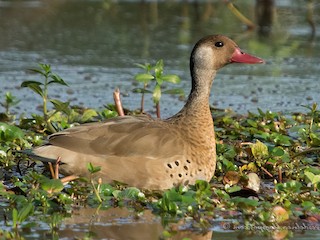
(219, 44)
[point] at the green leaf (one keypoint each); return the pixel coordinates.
(52, 185)
(259, 150)
(233, 188)
(175, 91)
(93, 169)
(35, 70)
(144, 77)
(156, 94)
(34, 86)
(315, 140)
(202, 185)
(46, 68)
(14, 217)
(61, 106)
(277, 152)
(280, 139)
(25, 212)
(245, 202)
(28, 82)
(9, 132)
(141, 90)
(308, 206)
(158, 69)
(252, 123)
(56, 79)
(312, 177)
(159, 80)
(129, 193)
(11, 100)
(88, 114)
(147, 67)
(172, 78)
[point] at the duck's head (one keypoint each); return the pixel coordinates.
(215, 51)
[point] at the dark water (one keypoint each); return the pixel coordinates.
(94, 46)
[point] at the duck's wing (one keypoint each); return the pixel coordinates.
(123, 136)
(128, 149)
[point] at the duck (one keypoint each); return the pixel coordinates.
(148, 153)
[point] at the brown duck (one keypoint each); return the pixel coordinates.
(151, 153)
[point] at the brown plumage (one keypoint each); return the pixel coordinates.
(151, 153)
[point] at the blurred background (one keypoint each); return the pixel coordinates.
(94, 45)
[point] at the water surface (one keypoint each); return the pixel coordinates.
(94, 46)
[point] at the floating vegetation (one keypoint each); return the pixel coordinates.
(267, 176)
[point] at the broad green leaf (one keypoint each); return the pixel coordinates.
(156, 94)
(52, 185)
(144, 77)
(280, 139)
(312, 177)
(202, 185)
(308, 205)
(233, 188)
(278, 152)
(315, 140)
(252, 123)
(129, 193)
(9, 132)
(259, 150)
(159, 80)
(171, 78)
(245, 202)
(88, 114)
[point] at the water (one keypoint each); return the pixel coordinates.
(94, 45)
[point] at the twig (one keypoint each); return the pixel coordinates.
(240, 16)
(267, 172)
(69, 178)
(51, 170)
(56, 172)
(117, 101)
(280, 174)
(315, 149)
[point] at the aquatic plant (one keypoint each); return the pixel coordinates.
(155, 74)
(282, 150)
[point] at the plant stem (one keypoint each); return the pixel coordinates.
(158, 110)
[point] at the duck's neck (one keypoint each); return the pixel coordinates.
(197, 105)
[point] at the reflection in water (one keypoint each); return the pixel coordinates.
(94, 45)
(265, 13)
(120, 223)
